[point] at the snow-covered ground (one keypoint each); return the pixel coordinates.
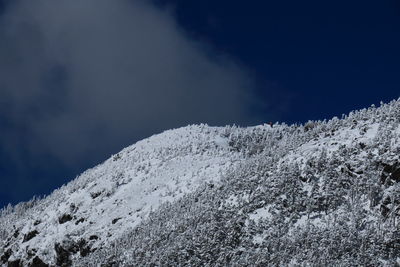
(106, 201)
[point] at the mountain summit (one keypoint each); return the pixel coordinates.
(326, 193)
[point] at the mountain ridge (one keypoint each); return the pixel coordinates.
(128, 174)
(228, 196)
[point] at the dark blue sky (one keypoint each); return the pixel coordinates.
(329, 56)
(308, 59)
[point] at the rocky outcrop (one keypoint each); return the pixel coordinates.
(37, 262)
(4, 258)
(15, 263)
(30, 235)
(65, 218)
(62, 256)
(390, 173)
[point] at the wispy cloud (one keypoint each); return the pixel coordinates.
(80, 79)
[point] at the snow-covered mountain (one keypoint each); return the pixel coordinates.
(104, 202)
(326, 193)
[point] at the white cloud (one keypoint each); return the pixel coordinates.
(80, 79)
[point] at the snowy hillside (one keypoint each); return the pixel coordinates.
(326, 193)
(114, 197)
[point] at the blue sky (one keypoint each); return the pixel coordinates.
(329, 56)
(81, 80)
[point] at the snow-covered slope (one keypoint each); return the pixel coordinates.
(320, 194)
(326, 193)
(106, 201)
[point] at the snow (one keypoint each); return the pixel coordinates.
(261, 213)
(345, 137)
(119, 194)
(232, 201)
(129, 186)
(313, 219)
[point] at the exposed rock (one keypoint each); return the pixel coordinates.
(15, 263)
(64, 218)
(30, 235)
(95, 194)
(16, 233)
(63, 256)
(79, 221)
(72, 248)
(396, 175)
(93, 237)
(303, 178)
(390, 173)
(30, 252)
(37, 262)
(116, 220)
(37, 222)
(84, 248)
(7, 254)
